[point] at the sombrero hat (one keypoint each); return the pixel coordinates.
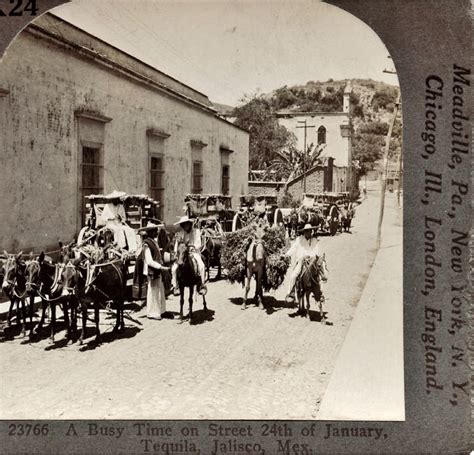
(183, 219)
(307, 227)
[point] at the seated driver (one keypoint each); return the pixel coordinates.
(192, 237)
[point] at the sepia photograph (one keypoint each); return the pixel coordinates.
(201, 215)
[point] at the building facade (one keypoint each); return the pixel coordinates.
(80, 117)
(332, 131)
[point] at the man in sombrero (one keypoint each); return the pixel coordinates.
(305, 245)
(192, 237)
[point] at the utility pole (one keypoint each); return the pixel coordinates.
(400, 156)
(305, 126)
(384, 171)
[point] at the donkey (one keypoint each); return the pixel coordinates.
(309, 282)
(255, 266)
(187, 275)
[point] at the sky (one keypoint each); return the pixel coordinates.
(231, 48)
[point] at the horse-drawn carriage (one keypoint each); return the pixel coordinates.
(254, 207)
(216, 208)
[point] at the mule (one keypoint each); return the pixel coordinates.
(211, 254)
(14, 287)
(105, 283)
(41, 276)
(187, 275)
(71, 280)
(255, 267)
(309, 283)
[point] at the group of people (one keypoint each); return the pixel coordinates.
(153, 264)
(305, 245)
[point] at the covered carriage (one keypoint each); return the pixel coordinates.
(254, 207)
(210, 209)
(328, 206)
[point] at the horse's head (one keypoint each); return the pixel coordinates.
(183, 253)
(322, 267)
(69, 279)
(13, 267)
(32, 272)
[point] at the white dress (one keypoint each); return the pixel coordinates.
(155, 297)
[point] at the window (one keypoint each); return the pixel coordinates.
(321, 135)
(157, 185)
(225, 179)
(92, 175)
(197, 177)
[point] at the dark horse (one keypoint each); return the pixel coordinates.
(346, 213)
(309, 282)
(41, 276)
(105, 283)
(14, 287)
(292, 224)
(255, 267)
(211, 253)
(188, 277)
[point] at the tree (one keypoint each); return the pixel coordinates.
(267, 137)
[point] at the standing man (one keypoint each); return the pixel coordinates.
(152, 268)
(192, 237)
(305, 245)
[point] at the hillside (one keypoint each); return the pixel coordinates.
(372, 104)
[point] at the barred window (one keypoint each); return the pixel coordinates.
(225, 179)
(92, 175)
(157, 185)
(197, 177)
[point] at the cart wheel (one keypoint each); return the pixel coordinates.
(236, 223)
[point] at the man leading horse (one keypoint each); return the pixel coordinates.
(305, 245)
(192, 238)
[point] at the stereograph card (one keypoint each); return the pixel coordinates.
(235, 227)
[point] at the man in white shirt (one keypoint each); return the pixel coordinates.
(192, 237)
(305, 245)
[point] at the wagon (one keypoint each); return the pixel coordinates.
(215, 207)
(328, 204)
(254, 207)
(116, 218)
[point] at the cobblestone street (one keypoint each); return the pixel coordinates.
(230, 364)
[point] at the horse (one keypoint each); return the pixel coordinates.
(346, 214)
(188, 277)
(71, 281)
(41, 276)
(292, 224)
(255, 266)
(309, 282)
(211, 253)
(316, 219)
(105, 283)
(14, 287)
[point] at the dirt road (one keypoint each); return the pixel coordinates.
(231, 364)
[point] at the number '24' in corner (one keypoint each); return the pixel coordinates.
(18, 8)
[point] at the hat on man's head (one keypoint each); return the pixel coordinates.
(183, 219)
(307, 227)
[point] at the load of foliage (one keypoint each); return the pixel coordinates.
(234, 255)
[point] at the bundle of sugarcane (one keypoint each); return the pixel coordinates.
(234, 254)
